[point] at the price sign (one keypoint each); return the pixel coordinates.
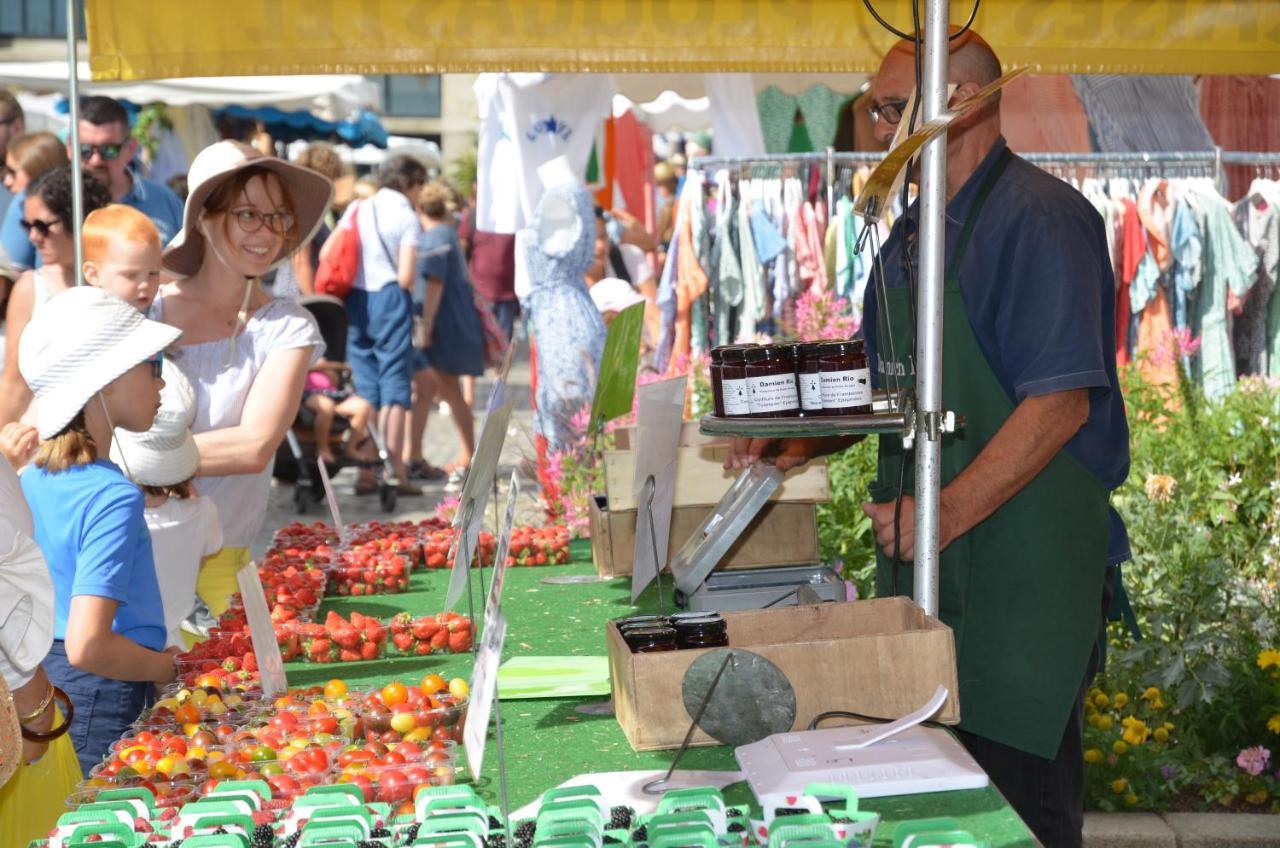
(261, 631)
(504, 546)
(484, 686)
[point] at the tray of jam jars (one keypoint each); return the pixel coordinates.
(796, 390)
(683, 630)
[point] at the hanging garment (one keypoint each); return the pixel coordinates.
(754, 295)
(1140, 113)
(1187, 248)
(821, 109)
(1230, 266)
(777, 118)
(1041, 113)
(726, 262)
(734, 117)
(691, 280)
(1155, 210)
(1133, 246)
(807, 243)
(1258, 218)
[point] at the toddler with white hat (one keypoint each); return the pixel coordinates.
(93, 363)
(184, 525)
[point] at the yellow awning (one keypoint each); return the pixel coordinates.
(146, 39)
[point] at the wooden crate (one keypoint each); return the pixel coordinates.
(882, 657)
(701, 479)
(783, 534)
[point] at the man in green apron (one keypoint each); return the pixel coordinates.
(1030, 544)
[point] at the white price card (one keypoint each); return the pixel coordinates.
(484, 686)
(332, 497)
(658, 439)
(261, 631)
(504, 546)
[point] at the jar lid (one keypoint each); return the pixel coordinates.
(716, 353)
(634, 621)
(692, 615)
(843, 347)
(653, 631)
(733, 354)
(764, 353)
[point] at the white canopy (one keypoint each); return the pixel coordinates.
(643, 88)
(334, 98)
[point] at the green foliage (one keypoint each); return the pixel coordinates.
(844, 531)
(149, 126)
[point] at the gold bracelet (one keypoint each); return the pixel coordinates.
(38, 711)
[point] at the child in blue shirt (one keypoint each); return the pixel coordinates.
(93, 363)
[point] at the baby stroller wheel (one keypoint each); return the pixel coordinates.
(300, 499)
(387, 496)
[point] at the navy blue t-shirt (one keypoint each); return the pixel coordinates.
(1039, 292)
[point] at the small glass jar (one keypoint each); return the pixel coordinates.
(846, 378)
(771, 383)
(700, 630)
(808, 377)
(733, 381)
(651, 639)
(714, 372)
(631, 622)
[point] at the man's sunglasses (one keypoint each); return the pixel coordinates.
(106, 151)
(889, 113)
(41, 227)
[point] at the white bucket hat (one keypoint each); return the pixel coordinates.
(310, 192)
(81, 341)
(166, 454)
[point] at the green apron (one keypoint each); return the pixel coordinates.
(1022, 590)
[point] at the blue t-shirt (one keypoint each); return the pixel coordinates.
(1039, 292)
(457, 341)
(22, 253)
(90, 527)
(158, 203)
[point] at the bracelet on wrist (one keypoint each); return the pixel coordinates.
(68, 713)
(38, 711)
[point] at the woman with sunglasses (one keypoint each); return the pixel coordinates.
(245, 354)
(94, 363)
(27, 157)
(47, 220)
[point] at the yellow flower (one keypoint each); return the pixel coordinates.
(1151, 693)
(1120, 700)
(1130, 800)
(1105, 722)
(1135, 731)
(1157, 704)
(1093, 755)
(1160, 487)
(1101, 699)
(1268, 658)
(1273, 723)
(1119, 746)
(1161, 735)
(1095, 720)
(1119, 785)
(1168, 725)
(1256, 798)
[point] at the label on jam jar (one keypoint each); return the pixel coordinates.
(774, 393)
(842, 389)
(810, 391)
(735, 397)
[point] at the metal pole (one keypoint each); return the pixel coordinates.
(933, 203)
(77, 171)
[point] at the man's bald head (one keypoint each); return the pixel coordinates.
(971, 58)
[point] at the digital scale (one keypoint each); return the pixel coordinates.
(698, 588)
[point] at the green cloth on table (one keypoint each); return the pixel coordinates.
(548, 742)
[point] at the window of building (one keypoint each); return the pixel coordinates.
(410, 95)
(36, 19)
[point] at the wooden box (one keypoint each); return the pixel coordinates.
(783, 534)
(701, 479)
(882, 657)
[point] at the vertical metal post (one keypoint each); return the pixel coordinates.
(933, 204)
(77, 170)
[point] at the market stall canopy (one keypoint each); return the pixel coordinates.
(336, 98)
(142, 39)
(364, 128)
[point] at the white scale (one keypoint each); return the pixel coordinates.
(898, 758)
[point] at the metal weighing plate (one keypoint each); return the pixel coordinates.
(757, 588)
(793, 428)
(721, 528)
(752, 699)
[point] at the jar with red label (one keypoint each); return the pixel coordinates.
(733, 382)
(771, 383)
(846, 378)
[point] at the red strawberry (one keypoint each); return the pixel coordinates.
(370, 651)
(346, 636)
(440, 641)
(346, 655)
(425, 628)
(422, 649)
(333, 620)
(402, 641)
(231, 664)
(250, 662)
(319, 648)
(460, 641)
(401, 622)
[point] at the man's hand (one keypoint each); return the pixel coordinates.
(785, 453)
(18, 443)
(881, 515)
(169, 671)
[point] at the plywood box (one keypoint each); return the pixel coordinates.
(882, 657)
(701, 478)
(783, 534)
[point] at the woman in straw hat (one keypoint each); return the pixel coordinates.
(245, 353)
(93, 362)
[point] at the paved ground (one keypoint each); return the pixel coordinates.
(440, 446)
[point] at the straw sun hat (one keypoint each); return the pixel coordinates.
(166, 454)
(311, 193)
(81, 341)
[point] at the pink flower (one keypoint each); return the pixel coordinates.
(447, 509)
(1254, 760)
(1172, 347)
(819, 314)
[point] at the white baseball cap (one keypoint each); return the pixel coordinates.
(166, 454)
(81, 341)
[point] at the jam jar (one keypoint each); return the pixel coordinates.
(808, 377)
(629, 623)
(716, 375)
(771, 382)
(846, 378)
(651, 639)
(733, 381)
(700, 630)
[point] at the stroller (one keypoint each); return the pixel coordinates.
(331, 316)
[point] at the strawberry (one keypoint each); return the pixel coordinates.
(346, 636)
(460, 642)
(231, 664)
(250, 662)
(402, 641)
(422, 649)
(401, 622)
(346, 655)
(440, 641)
(424, 628)
(332, 620)
(370, 651)
(319, 648)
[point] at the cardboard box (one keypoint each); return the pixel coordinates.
(882, 657)
(701, 479)
(783, 534)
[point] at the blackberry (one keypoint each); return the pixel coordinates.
(641, 834)
(380, 833)
(841, 821)
(291, 841)
(790, 811)
(410, 833)
(736, 827)
(735, 813)
(620, 818)
(524, 843)
(263, 836)
(494, 823)
(222, 831)
(611, 840)
(526, 829)
(496, 840)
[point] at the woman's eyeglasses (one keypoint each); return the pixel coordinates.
(41, 227)
(890, 113)
(106, 151)
(251, 220)
(157, 365)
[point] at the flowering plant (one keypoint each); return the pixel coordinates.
(819, 314)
